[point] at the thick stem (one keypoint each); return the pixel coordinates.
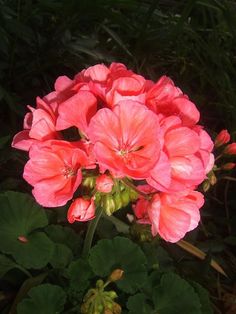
(90, 232)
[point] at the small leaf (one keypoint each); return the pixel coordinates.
(175, 294)
(79, 273)
(20, 217)
(121, 253)
(138, 304)
(43, 299)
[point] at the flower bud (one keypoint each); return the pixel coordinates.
(125, 198)
(206, 186)
(118, 201)
(89, 182)
(81, 210)
(230, 149)
(212, 178)
(222, 138)
(104, 183)
(108, 204)
(228, 166)
(117, 274)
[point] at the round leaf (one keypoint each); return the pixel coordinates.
(138, 304)
(122, 253)
(61, 257)
(44, 299)
(175, 294)
(20, 217)
(79, 273)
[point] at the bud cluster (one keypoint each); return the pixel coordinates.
(99, 301)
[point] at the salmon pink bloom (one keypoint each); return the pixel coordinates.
(179, 167)
(54, 170)
(39, 125)
(104, 183)
(126, 139)
(81, 210)
(171, 215)
(77, 111)
(222, 138)
(165, 98)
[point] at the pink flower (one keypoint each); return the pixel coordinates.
(179, 167)
(222, 138)
(54, 170)
(39, 125)
(165, 98)
(171, 215)
(81, 210)
(126, 139)
(104, 183)
(77, 111)
(230, 149)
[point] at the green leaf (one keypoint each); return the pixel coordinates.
(175, 294)
(6, 264)
(138, 304)
(157, 257)
(79, 273)
(122, 253)
(44, 299)
(64, 235)
(26, 286)
(19, 219)
(204, 298)
(61, 257)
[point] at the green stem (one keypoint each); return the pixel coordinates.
(90, 232)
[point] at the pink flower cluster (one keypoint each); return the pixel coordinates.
(129, 127)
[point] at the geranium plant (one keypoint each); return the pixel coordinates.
(109, 138)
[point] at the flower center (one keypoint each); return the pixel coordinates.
(69, 172)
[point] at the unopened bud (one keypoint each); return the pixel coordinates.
(228, 166)
(133, 195)
(230, 149)
(118, 201)
(212, 179)
(206, 186)
(125, 198)
(99, 283)
(116, 308)
(222, 138)
(117, 274)
(108, 204)
(104, 183)
(112, 294)
(89, 182)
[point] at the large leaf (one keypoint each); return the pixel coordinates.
(175, 294)
(44, 299)
(122, 253)
(6, 264)
(203, 295)
(64, 235)
(20, 218)
(79, 273)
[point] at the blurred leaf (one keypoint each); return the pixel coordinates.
(138, 304)
(43, 299)
(203, 295)
(120, 252)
